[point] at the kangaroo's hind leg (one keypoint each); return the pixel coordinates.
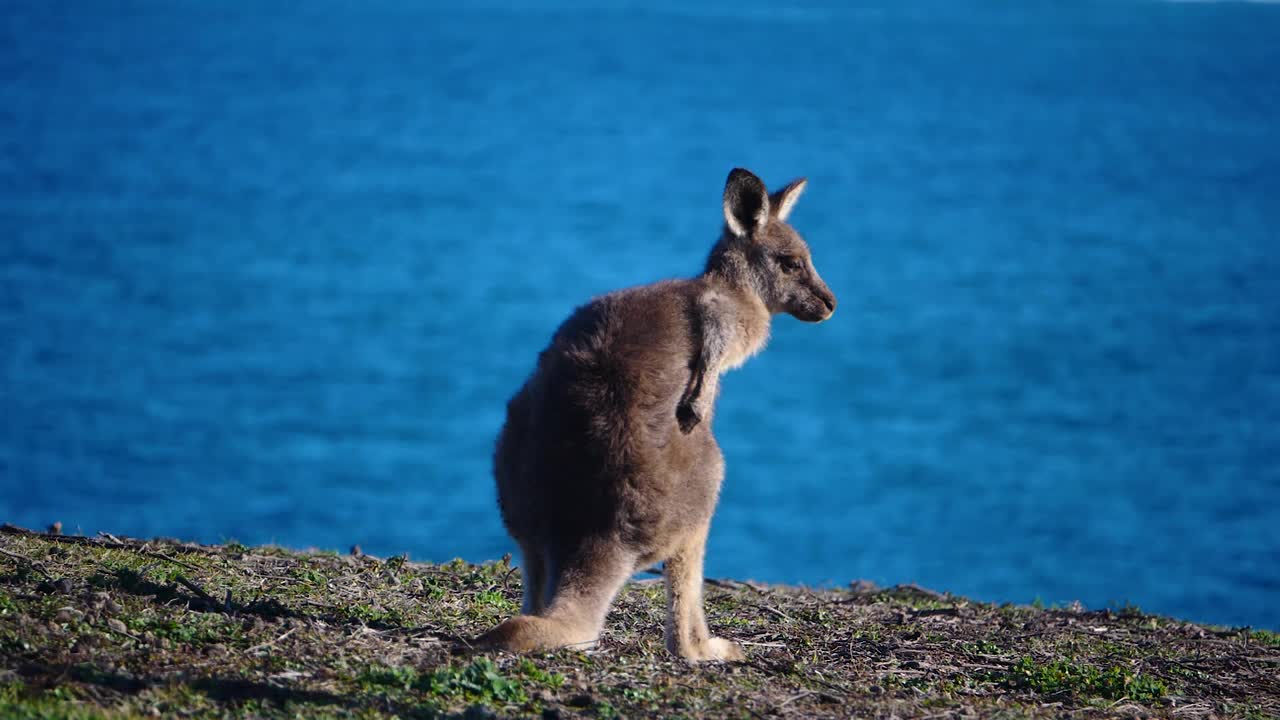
(686, 632)
(533, 571)
(589, 579)
(552, 567)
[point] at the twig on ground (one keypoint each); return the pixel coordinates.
(198, 591)
(795, 697)
(269, 643)
(23, 560)
(161, 556)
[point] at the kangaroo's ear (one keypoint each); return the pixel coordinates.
(785, 199)
(746, 202)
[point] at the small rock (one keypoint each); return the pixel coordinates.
(581, 700)
(550, 713)
(68, 614)
(117, 626)
(103, 603)
(61, 586)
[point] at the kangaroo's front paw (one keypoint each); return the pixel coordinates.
(687, 417)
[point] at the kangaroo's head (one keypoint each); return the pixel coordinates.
(759, 247)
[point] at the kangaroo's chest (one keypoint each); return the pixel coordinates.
(748, 334)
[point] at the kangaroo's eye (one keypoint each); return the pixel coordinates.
(789, 263)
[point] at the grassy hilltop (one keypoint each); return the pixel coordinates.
(109, 627)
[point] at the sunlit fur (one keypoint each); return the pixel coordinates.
(607, 465)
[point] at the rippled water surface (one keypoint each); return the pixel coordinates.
(269, 271)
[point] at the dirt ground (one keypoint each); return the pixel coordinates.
(114, 627)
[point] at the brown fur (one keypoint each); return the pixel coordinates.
(607, 465)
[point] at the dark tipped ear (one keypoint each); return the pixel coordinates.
(785, 199)
(746, 202)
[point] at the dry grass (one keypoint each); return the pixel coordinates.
(109, 627)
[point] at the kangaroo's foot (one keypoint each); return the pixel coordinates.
(585, 584)
(686, 632)
(528, 633)
(710, 650)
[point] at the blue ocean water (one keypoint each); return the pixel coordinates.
(269, 271)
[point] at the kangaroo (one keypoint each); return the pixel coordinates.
(606, 464)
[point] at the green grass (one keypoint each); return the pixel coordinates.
(19, 703)
(1064, 676)
(480, 682)
(1266, 637)
(982, 647)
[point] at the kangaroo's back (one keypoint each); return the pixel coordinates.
(600, 401)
